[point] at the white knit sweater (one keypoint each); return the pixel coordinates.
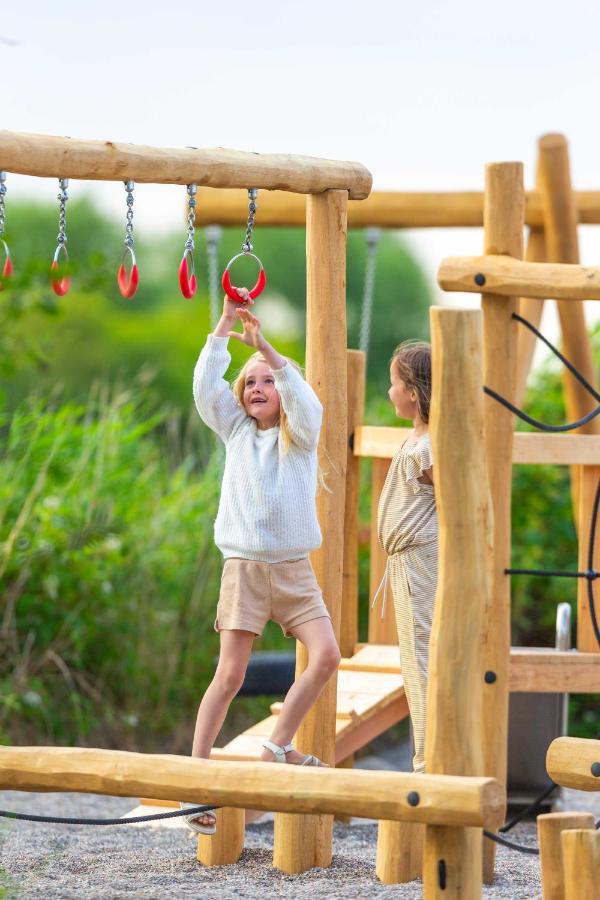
(267, 509)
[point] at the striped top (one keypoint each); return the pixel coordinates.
(407, 516)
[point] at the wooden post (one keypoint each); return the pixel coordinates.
(356, 404)
(399, 851)
(452, 856)
(588, 479)
(550, 827)
(560, 225)
(305, 841)
(530, 308)
(227, 845)
(581, 859)
(503, 234)
(381, 631)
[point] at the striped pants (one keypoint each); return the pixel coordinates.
(413, 579)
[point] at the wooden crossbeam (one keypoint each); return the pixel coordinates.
(384, 209)
(64, 157)
(574, 763)
(440, 799)
(509, 277)
(381, 442)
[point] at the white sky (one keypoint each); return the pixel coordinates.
(423, 93)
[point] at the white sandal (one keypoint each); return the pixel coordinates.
(280, 755)
(191, 819)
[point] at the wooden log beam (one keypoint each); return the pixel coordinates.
(455, 685)
(505, 277)
(65, 157)
(384, 209)
(574, 763)
(588, 479)
(503, 235)
(301, 843)
(528, 449)
(267, 786)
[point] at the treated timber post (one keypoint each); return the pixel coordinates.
(503, 234)
(356, 360)
(302, 842)
(559, 212)
(530, 308)
(588, 479)
(581, 861)
(550, 827)
(452, 860)
(226, 846)
(381, 630)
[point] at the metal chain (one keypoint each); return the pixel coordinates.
(129, 240)
(63, 196)
(372, 236)
(213, 239)
(247, 245)
(2, 197)
(189, 244)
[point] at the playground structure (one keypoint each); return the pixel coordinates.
(470, 670)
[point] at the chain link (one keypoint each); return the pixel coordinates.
(213, 239)
(189, 244)
(247, 245)
(129, 240)
(373, 236)
(63, 196)
(2, 197)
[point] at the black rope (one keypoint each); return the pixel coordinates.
(590, 574)
(59, 820)
(558, 354)
(542, 426)
(533, 807)
(533, 851)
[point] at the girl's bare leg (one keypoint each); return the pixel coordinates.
(323, 659)
(236, 647)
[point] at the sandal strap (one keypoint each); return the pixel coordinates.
(278, 751)
(311, 761)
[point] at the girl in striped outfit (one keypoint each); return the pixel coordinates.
(408, 530)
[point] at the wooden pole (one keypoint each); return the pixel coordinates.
(581, 857)
(588, 479)
(559, 211)
(302, 842)
(384, 209)
(550, 827)
(227, 845)
(455, 687)
(251, 785)
(399, 852)
(574, 763)
(356, 404)
(381, 630)
(503, 234)
(65, 157)
(530, 309)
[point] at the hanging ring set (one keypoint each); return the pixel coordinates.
(128, 281)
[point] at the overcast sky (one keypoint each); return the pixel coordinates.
(423, 93)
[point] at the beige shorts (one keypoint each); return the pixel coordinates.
(254, 592)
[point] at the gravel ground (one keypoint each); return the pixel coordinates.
(54, 861)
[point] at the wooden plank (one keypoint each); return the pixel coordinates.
(505, 276)
(374, 658)
(64, 157)
(554, 671)
(384, 209)
(528, 449)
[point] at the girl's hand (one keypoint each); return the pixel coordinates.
(230, 308)
(251, 335)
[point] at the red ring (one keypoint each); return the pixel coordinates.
(128, 286)
(187, 284)
(253, 294)
(60, 286)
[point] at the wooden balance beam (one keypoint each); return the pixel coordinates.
(395, 796)
(574, 763)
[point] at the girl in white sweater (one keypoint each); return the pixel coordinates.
(265, 528)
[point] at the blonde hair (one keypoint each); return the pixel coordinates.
(238, 387)
(412, 363)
